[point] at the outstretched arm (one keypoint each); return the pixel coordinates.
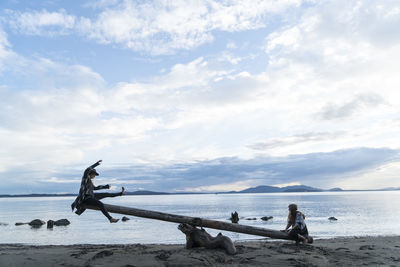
(107, 186)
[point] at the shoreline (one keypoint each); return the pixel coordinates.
(352, 251)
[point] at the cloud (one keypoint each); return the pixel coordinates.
(42, 22)
(325, 83)
(157, 27)
(317, 169)
(162, 27)
(365, 101)
(225, 187)
(338, 39)
(296, 139)
(6, 53)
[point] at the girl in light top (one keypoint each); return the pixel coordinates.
(298, 227)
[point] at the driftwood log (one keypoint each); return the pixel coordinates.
(232, 227)
(200, 238)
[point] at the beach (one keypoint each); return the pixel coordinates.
(355, 251)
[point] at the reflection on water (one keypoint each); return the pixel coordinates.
(358, 214)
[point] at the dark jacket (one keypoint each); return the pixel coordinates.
(86, 190)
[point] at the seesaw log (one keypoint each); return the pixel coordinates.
(232, 227)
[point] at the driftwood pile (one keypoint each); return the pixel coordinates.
(200, 238)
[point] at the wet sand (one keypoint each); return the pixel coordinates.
(356, 251)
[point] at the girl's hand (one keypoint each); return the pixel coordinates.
(99, 161)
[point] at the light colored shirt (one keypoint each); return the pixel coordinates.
(300, 221)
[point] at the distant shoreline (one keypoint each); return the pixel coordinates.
(149, 193)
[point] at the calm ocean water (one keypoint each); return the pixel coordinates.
(358, 214)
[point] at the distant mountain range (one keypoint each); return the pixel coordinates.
(257, 189)
(275, 189)
(286, 189)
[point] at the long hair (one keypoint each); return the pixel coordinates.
(292, 214)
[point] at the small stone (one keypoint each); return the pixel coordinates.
(62, 222)
(332, 219)
(163, 255)
(124, 219)
(36, 223)
(266, 218)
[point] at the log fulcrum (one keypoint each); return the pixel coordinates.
(232, 227)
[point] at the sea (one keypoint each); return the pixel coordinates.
(363, 213)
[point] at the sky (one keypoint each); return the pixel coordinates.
(199, 96)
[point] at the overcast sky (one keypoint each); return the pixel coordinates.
(199, 95)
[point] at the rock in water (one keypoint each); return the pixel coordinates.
(36, 223)
(50, 224)
(124, 219)
(62, 222)
(266, 218)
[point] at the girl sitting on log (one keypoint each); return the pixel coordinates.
(298, 229)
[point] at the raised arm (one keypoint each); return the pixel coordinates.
(91, 168)
(96, 164)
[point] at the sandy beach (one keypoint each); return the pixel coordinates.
(356, 251)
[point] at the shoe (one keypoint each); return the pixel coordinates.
(112, 220)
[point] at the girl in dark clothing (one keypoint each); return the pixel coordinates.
(87, 197)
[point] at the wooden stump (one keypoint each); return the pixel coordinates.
(234, 217)
(200, 238)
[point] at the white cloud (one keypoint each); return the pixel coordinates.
(161, 27)
(158, 27)
(331, 63)
(297, 139)
(332, 111)
(42, 22)
(383, 176)
(6, 53)
(228, 57)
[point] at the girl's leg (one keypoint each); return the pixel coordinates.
(294, 234)
(104, 195)
(99, 196)
(303, 239)
(99, 204)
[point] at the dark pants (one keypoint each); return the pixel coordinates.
(97, 203)
(294, 233)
